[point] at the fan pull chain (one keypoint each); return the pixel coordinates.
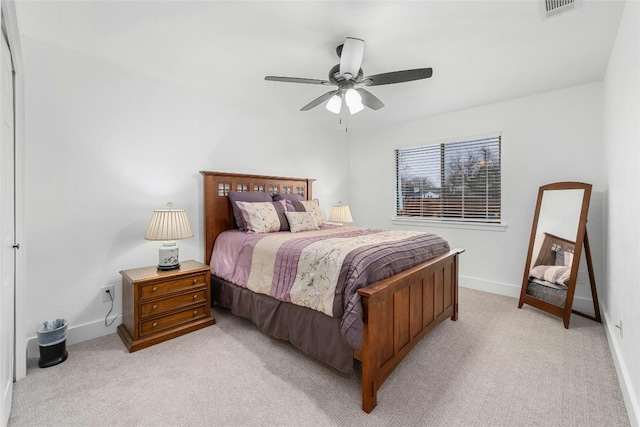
(346, 126)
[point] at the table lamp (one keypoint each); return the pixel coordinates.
(340, 214)
(169, 225)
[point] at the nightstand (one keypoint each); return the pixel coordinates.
(160, 305)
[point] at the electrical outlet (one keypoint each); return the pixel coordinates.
(105, 293)
(620, 328)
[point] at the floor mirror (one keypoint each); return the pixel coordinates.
(558, 237)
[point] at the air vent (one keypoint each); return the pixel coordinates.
(554, 7)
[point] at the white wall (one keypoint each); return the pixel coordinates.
(554, 136)
(622, 138)
(106, 145)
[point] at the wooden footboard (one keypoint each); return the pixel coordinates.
(398, 312)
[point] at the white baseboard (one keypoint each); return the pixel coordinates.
(581, 304)
(628, 393)
(78, 333)
(491, 287)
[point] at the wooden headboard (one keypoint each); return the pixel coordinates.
(218, 215)
(550, 245)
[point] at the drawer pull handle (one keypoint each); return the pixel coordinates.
(195, 312)
(195, 281)
(195, 296)
(154, 306)
(154, 289)
(154, 324)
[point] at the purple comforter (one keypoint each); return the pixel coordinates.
(323, 269)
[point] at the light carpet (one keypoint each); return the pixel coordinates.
(496, 366)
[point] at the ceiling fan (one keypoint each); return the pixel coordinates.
(347, 75)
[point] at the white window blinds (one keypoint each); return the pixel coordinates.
(458, 181)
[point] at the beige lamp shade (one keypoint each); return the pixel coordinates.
(169, 225)
(340, 214)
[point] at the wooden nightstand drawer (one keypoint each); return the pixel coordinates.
(155, 325)
(163, 288)
(163, 305)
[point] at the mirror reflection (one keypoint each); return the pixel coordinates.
(559, 216)
(550, 273)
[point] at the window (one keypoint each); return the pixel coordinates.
(458, 181)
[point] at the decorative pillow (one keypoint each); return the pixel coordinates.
(564, 258)
(288, 205)
(263, 217)
(568, 259)
(246, 196)
(559, 257)
(281, 207)
(296, 204)
(558, 274)
(288, 196)
(301, 221)
(564, 277)
(312, 206)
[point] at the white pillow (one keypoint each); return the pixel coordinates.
(301, 221)
(558, 274)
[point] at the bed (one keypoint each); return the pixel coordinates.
(395, 312)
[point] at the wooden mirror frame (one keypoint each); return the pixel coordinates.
(581, 241)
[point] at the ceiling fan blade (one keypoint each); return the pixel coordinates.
(369, 99)
(297, 80)
(351, 57)
(397, 77)
(319, 100)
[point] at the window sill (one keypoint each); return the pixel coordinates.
(449, 224)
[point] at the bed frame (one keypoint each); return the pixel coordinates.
(398, 311)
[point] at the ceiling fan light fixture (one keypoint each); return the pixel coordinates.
(352, 97)
(351, 57)
(353, 100)
(334, 104)
(356, 108)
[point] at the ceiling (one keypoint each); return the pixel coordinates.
(480, 51)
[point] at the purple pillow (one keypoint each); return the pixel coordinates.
(288, 196)
(246, 196)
